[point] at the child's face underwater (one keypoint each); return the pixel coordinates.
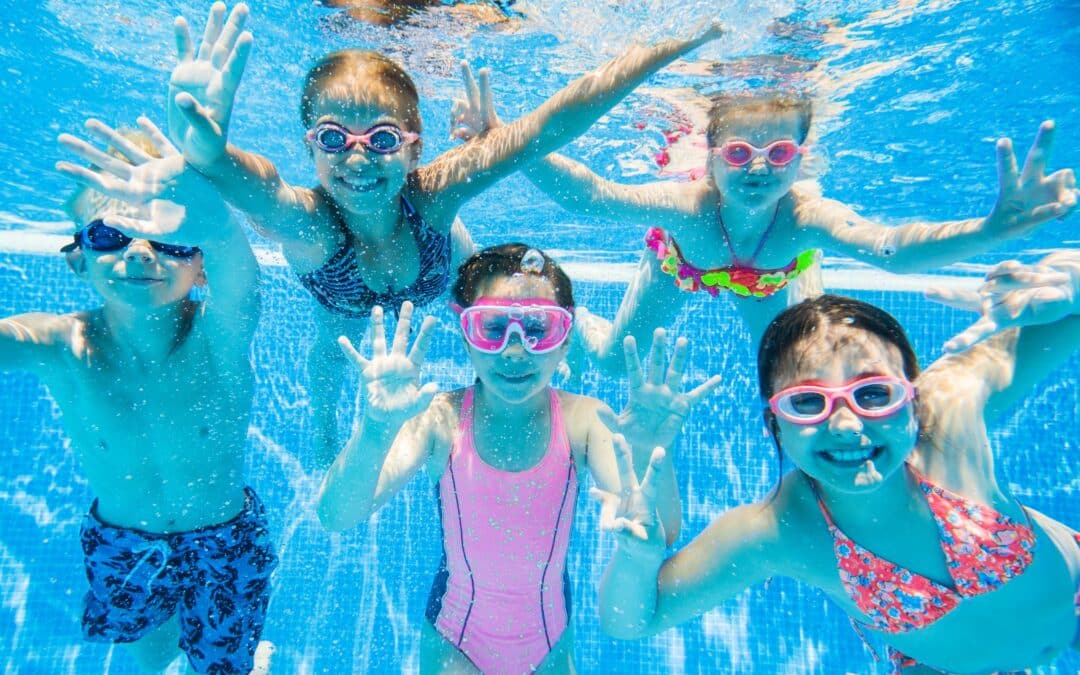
(846, 451)
(138, 275)
(358, 179)
(515, 375)
(758, 182)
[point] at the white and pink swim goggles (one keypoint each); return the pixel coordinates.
(778, 153)
(541, 324)
(875, 396)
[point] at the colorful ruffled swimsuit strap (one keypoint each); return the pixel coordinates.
(983, 550)
(741, 278)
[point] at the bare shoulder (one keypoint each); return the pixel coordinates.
(793, 510)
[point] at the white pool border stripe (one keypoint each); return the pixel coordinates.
(837, 273)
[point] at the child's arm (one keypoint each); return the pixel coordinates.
(569, 183)
(464, 171)
(641, 593)
(1029, 326)
(1025, 201)
(654, 414)
(202, 90)
(392, 442)
(178, 205)
(32, 342)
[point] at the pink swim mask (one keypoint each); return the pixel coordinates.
(541, 324)
(741, 153)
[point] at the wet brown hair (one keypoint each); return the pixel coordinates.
(504, 260)
(727, 106)
(351, 67)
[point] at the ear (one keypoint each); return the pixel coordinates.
(771, 427)
(200, 278)
(76, 261)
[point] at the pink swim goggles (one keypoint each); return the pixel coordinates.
(382, 139)
(876, 396)
(741, 153)
(541, 324)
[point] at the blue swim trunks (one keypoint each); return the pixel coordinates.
(217, 578)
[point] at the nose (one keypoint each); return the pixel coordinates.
(843, 422)
(515, 348)
(758, 165)
(139, 250)
(357, 155)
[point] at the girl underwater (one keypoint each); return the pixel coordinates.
(506, 456)
(893, 508)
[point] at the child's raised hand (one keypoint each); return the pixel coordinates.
(1015, 294)
(632, 514)
(163, 185)
(1029, 198)
(204, 82)
(389, 380)
(656, 408)
(474, 114)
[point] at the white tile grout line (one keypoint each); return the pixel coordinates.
(835, 275)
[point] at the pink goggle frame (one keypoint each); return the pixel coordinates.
(876, 396)
(541, 324)
(777, 153)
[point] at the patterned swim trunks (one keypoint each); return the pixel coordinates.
(216, 578)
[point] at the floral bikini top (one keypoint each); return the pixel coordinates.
(983, 550)
(741, 278)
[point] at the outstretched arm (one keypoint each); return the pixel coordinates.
(571, 184)
(1026, 200)
(391, 443)
(202, 90)
(466, 170)
(641, 593)
(175, 205)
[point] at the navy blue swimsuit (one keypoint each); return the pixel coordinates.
(339, 287)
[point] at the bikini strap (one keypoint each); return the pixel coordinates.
(820, 501)
(761, 241)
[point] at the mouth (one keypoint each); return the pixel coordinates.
(358, 183)
(515, 379)
(851, 457)
(140, 281)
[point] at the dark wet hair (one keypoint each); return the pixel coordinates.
(504, 260)
(358, 65)
(806, 318)
(730, 105)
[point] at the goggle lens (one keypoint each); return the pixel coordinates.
(869, 397)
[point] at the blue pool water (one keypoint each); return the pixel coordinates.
(913, 96)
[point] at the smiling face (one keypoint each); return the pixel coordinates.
(138, 276)
(359, 179)
(846, 451)
(758, 182)
(515, 375)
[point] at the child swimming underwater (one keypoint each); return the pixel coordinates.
(156, 391)
(893, 509)
(749, 228)
(379, 228)
(506, 455)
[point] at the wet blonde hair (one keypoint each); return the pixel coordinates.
(350, 68)
(726, 107)
(86, 202)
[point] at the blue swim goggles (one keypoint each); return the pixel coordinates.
(97, 236)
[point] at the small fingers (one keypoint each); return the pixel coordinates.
(214, 23)
(633, 363)
(350, 352)
(401, 331)
(702, 390)
(234, 26)
(158, 138)
(678, 364)
(977, 332)
(649, 480)
(487, 101)
(960, 298)
(656, 356)
(233, 70)
(472, 91)
(83, 176)
(423, 341)
(378, 332)
(96, 157)
(1039, 155)
(184, 49)
(624, 461)
(1008, 174)
(115, 139)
